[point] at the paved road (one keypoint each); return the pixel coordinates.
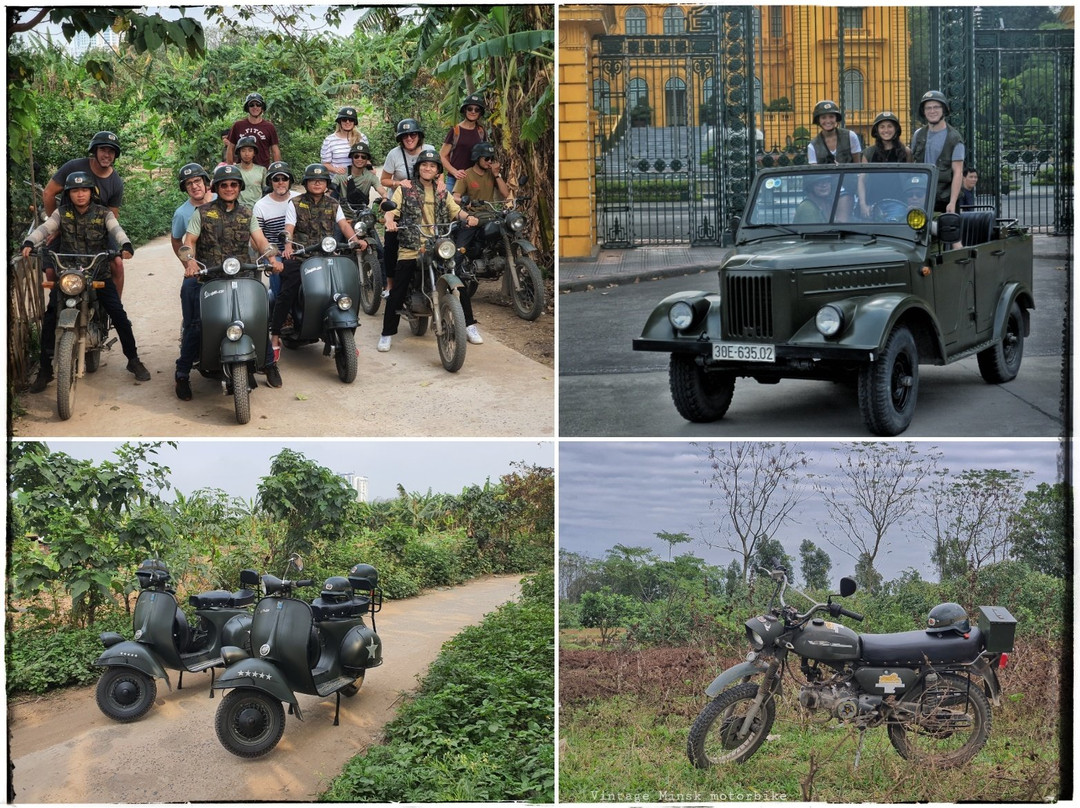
(64, 749)
(607, 389)
(405, 392)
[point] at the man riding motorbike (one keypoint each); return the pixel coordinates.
(483, 183)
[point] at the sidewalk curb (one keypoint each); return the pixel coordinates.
(625, 278)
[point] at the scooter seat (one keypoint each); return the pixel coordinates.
(339, 610)
(913, 647)
(216, 599)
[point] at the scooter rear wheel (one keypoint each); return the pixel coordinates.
(125, 694)
(249, 723)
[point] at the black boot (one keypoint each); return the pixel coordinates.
(41, 381)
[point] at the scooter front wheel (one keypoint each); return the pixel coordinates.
(452, 339)
(249, 723)
(66, 374)
(345, 356)
(240, 391)
(125, 694)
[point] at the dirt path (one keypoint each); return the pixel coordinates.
(499, 392)
(65, 750)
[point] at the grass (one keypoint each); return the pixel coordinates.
(631, 747)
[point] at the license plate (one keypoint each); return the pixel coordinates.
(743, 352)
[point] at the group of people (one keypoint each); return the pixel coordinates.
(250, 202)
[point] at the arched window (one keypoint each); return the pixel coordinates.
(635, 21)
(601, 89)
(675, 102)
(674, 21)
(637, 92)
(853, 89)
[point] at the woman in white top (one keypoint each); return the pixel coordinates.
(335, 148)
(398, 171)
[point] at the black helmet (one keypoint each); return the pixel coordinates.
(347, 114)
(315, 171)
(886, 116)
(474, 99)
(428, 155)
(409, 126)
(364, 577)
(253, 97)
(933, 95)
(279, 167)
(360, 147)
(482, 149)
(336, 589)
(190, 171)
(227, 172)
(152, 572)
(948, 617)
(823, 107)
(247, 141)
(80, 179)
(104, 139)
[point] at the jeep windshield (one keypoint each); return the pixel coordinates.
(879, 194)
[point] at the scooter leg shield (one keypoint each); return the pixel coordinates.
(133, 655)
(259, 675)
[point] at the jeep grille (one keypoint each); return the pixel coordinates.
(748, 307)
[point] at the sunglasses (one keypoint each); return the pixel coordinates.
(279, 178)
(409, 134)
(255, 104)
(228, 185)
(473, 109)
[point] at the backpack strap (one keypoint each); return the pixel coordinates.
(457, 134)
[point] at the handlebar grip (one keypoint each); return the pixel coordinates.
(852, 615)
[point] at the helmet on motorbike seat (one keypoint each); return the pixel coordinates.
(409, 126)
(886, 116)
(361, 148)
(191, 171)
(247, 142)
(104, 139)
(152, 572)
(227, 172)
(336, 589)
(80, 179)
(428, 155)
(474, 100)
(347, 114)
(364, 577)
(947, 617)
(315, 171)
(828, 107)
(933, 95)
(482, 149)
(253, 97)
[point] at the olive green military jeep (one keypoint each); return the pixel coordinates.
(841, 273)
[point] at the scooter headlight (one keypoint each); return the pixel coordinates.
(329, 244)
(235, 331)
(344, 302)
(681, 315)
(73, 283)
(231, 266)
(515, 221)
(829, 321)
(361, 228)
(446, 249)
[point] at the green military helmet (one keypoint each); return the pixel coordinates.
(409, 126)
(247, 141)
(315, 171)
(474, 99)
(227, 172)
(482, 149)
(104, 139)
(347, 114)
(886, 116)
(828, 107)
(428, 155)
(948, 617)
(253, 97)
(279, 167)
(933, 95)
(81, 179)
(191, 171)
(363, 148)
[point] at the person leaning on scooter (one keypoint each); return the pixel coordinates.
(81, 225)
(218, 230)
(309, 219)
(483, 182)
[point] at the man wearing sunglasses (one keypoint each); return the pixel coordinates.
(456, 151)
(256, 126)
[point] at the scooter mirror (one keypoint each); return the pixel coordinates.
(185, 253)
(847, 587)
(297, 562)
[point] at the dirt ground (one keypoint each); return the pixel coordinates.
(64, 750)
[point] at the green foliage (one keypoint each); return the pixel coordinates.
(482, 725)
(45, 657)
(1040, 529)
(815, 565)
(608, 612)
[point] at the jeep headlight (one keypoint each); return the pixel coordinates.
(231, 266)
(328, 244)
(916, 218)
(515, 221)
(72, 284)
(681, 315)
(446, 249)
(235, 330)
(829, 321)
(344, 302)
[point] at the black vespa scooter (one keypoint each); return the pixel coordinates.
(164, 640)
(327, 307)
(320, 648)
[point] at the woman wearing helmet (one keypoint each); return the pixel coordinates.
(334, 153)
(421, 202)
(940, 144)
(460, 140)
(887, 148)
(834, 143)
(397, 172)
(266, 136)
(354, 187)
(254, 175)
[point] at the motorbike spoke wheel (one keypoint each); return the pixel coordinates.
(241, 393)
(125, 694)
(943, 723)
(249, 723)
(66, 374)
(345, 356)
(371, 283)
(529, 299)
(452, 339)
(716, 736)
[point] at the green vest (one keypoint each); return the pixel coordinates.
(314, 220)
(224, 233)
(944, 161)
(412, 212)
(83, 233)
(843, 147)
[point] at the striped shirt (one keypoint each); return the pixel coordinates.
(270, 214)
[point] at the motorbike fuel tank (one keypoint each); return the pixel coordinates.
(223, 301)
(321, 278)
(827, 641)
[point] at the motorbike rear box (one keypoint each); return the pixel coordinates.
(998, 627)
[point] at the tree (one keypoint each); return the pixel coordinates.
(815, 565)
(770, 554)
(1040, 529)
(607, 611)
(876, 487)
(755, 491)
(671, 539)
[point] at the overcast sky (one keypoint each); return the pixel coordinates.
(625, 492)
(236, 467)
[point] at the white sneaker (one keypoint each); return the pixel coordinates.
(384, 344)
(473, 335)
(385, 293)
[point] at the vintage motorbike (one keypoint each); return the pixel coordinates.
(320, 648)
(82, 324)
(235, 314)
(433, 294)
(372, 276)
(326, 307)
(500, 250)
(164, 640)
(931, 689)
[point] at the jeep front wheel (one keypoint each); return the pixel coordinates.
(699, 397)
(889, 387)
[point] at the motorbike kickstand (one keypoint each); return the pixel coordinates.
(858, 749)
(337, 709)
